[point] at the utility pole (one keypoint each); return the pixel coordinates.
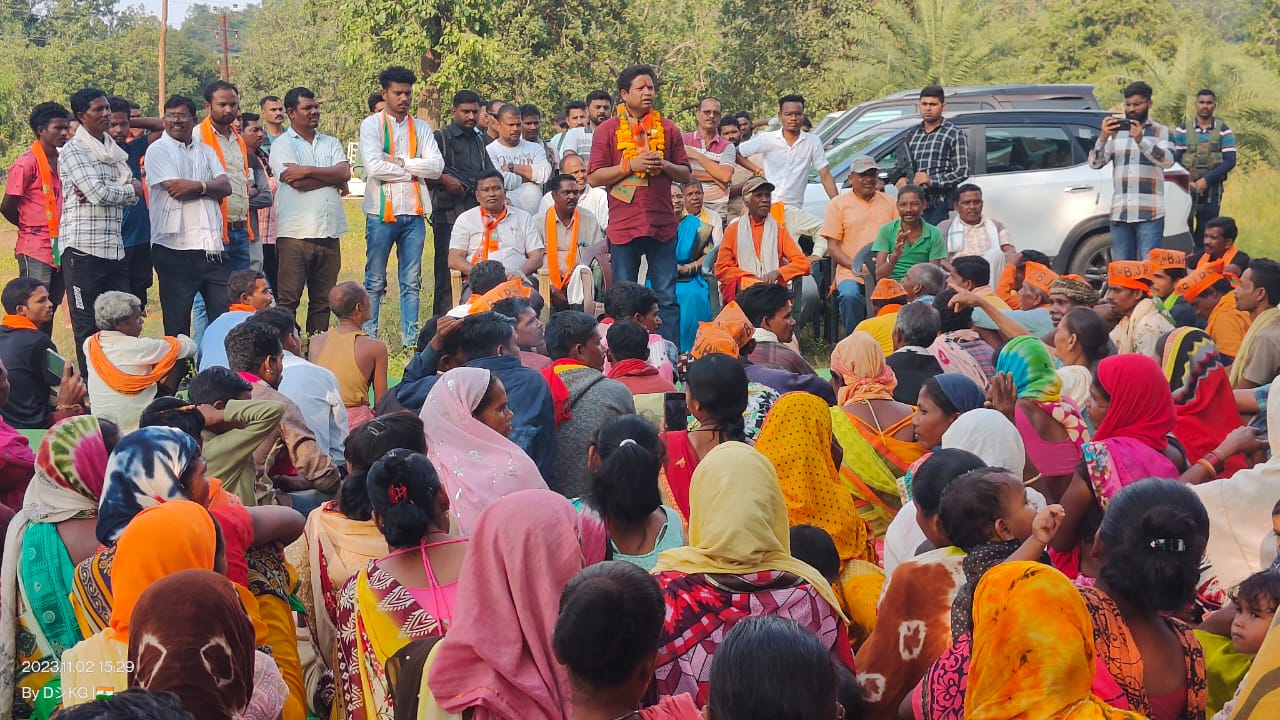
(164, 27)
(224, 41)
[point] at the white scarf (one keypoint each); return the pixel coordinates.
(764, 262)
(959, 228)
(107, 152)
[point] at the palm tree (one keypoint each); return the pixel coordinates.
(1246, 89)
(910, 43)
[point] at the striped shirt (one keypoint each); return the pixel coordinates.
(1137, 172)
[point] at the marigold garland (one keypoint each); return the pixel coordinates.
(629, 142)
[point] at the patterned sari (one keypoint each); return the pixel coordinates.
(38, 620)
(1119, 677)
(1201, 395)
(377, 616)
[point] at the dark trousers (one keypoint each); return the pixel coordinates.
(183, 273)
(88, 276)
(935, 214)
(442, 299)
(1202, 213)
(311, 264)
(269, 266)
(51, 277)
(138, 258)
(662, 276)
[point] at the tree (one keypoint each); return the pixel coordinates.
(903, 44)
(1074, 40)
(1245, 88)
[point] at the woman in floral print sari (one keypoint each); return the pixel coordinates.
(407, 595)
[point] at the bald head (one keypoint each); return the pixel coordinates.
(346, 298)
(573, 164)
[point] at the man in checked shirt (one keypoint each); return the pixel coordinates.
(1141, 150)
(934, 157)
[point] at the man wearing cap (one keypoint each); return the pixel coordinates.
(1258, 294)
(886, 300)
(852, 220)
(1140, 325)
(1033, 306)
(732, 334)
(1167, 268)
(1068, 292)
(1211, 294)
(769, 255)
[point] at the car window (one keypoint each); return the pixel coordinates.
(1026, 148)
(1086, 136)
(840, 157)
(1055, 103)
(874, 117)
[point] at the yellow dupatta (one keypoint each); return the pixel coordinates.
(1265, 319)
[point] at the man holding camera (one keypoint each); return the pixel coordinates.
(1141, 150)
(465, 160)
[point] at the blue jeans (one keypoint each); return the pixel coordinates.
(662, 276)
(1135, 240)
(235, 256)
(409, 235)
(853, 306)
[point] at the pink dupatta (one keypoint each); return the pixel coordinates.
(477, 464)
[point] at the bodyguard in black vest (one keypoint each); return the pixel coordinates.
(1208, 153)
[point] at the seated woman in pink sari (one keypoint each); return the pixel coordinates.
(408, 595)
(467, 422)
(1132, 409)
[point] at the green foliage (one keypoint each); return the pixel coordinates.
(1264, 34)
(1246, 89)
(1074, 40)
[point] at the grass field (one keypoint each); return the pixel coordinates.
(1251, 199)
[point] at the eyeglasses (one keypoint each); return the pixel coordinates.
(177, 117)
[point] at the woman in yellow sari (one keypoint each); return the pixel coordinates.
(797, 439)
(874, 431)
(407, 595)
(1033, 654)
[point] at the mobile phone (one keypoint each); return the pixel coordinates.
(55, 363)
(675, 411)
(1122, 121)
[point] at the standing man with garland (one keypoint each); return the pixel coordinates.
(637, 155)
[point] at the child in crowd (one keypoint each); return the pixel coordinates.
(814, 547)
(1254, 603)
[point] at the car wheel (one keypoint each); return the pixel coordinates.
(1090, 260)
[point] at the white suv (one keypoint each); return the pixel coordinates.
(1033, 168)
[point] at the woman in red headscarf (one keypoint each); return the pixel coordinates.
(1132, 408)
(1202, 397)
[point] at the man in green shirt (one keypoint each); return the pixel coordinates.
(909, 240)
(230, 454)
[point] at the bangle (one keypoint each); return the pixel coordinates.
(1213, 457)
(1202, 462)
(203, 187)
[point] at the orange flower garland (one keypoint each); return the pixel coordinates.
(629, 142)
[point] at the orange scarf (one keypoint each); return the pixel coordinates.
(560, 277)
(490, 243)
(18, 322)
(210, 138)
(242, 307)
(389, 148)
(52, 199)
(122, 382)
(1226, 258)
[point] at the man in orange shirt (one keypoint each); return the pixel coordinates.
(1213, 297)
(771, 256)
(851, 223)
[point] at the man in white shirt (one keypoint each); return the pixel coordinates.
(589, 198)
(523, 164)
(567, 231)
(578, 140)
(187, 184)
(711, 156)
(314, 388)
(313, 171)
(789, 154)
(496, 231)
(575, 116)
(398, 152)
